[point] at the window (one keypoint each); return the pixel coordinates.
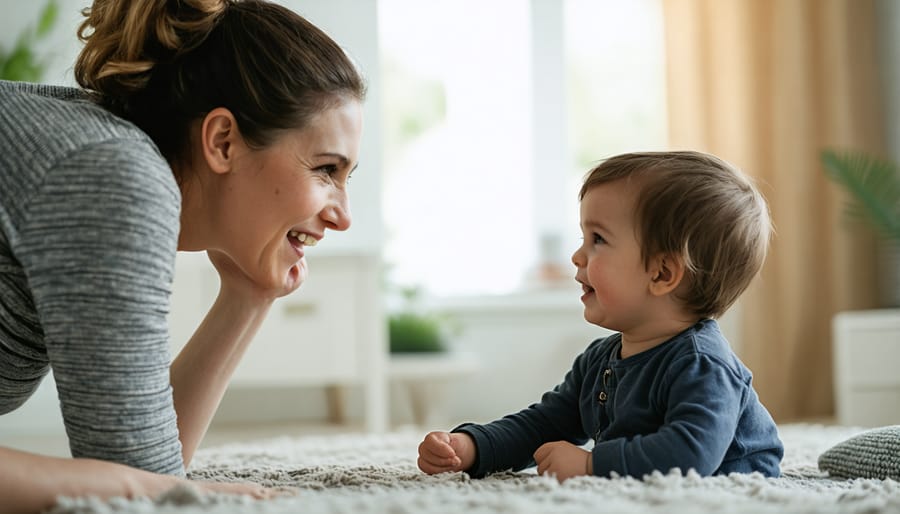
(480, 177)
(616, 81)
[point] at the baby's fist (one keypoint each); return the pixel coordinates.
(440, 452)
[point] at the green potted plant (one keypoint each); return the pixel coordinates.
(874, 187)
(411, 330)
(415, 333)
(21, 63)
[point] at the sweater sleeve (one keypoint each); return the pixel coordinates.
(510, 442)
(98, 248)
(702, 400)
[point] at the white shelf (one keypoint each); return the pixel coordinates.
(865, 360)
(431, 366)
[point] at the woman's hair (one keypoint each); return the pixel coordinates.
(164, 63)
(701, 209)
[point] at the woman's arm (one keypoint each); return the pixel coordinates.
(202, 370)
(32, 483)
(98, 248)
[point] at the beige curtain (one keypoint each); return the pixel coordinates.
(767, 84)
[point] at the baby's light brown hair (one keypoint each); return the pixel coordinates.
(700, 208)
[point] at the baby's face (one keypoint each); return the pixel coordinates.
(609, 263)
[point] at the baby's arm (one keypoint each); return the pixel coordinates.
(441, 451)
(512, 441)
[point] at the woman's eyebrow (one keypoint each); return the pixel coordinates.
(343, 158)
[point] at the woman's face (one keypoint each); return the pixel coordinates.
(279, 201)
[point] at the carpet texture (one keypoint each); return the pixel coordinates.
(369, 473)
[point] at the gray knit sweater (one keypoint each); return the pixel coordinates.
(89, 221)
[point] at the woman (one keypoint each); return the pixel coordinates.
(219, 125)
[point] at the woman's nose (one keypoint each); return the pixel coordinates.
(337, 214)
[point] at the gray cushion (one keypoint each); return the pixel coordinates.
(871, 454)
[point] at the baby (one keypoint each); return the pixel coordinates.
(670, 241)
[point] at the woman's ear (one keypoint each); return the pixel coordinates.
(666, 273)
(219, 138)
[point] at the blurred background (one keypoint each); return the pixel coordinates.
(481, 120)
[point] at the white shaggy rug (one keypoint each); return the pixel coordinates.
(369, 474)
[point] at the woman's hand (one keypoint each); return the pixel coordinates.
(234, 281)
(31, 483)
(202, 370)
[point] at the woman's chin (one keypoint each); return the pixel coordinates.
(296, 275)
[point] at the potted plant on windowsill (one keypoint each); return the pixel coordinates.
(874, 188)
(413, 331)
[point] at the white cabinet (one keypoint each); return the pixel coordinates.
(867, 367)
(330, 332)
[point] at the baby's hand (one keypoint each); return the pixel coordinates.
(441, 452)
(563, 459)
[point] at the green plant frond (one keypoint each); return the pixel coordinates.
(874, 186)
(48, 18)
(19, 65)
(22, 63)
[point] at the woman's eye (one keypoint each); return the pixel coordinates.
(330, 169)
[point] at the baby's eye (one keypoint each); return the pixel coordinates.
(598, 239)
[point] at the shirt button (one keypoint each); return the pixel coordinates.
(602, 397)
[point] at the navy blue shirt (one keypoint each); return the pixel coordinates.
(686, 403)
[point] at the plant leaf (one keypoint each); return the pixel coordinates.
(48, 18)
(22, 63)
(874, 186)
(19, 65)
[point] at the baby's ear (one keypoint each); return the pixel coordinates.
(666, 273)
